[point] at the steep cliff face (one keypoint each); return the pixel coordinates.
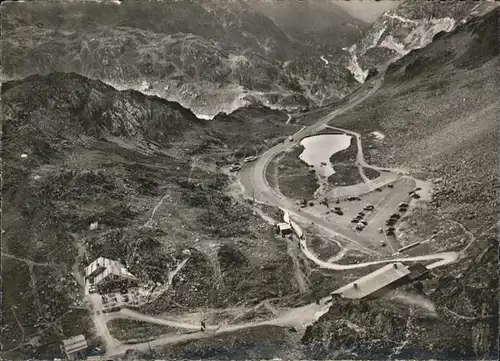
(412, 25)
(90, 108)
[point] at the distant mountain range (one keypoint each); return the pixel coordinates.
(412, 25)
(209, 56)
(218, 56)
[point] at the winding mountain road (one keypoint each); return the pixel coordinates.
(255, 187)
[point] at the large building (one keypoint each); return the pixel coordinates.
(383, 280)
(375, 284)
(108, 275)
(75, 347)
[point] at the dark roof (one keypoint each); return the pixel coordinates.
(417, 270)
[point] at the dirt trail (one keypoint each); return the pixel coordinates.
(149, 223)
(30, 262)
(443, 257)
(299, 276)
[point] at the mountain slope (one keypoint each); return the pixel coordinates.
(144, 171)
(412, 25)
(438, 111)
(324, 24)
(208, 56)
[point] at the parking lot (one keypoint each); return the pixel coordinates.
(372, 225)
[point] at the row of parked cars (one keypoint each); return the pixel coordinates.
(403, 207)
(358, 220)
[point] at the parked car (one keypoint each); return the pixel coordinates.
(403, 204)
(92, 289)
(390, 185)
(378, 189)
(249, 159)
(364, 222)
(395, 216)
(369, 207)
(362, 214)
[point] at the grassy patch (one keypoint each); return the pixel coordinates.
(295, 178)
(244, 280)
(139, 331)
(346, 156)
(345, 175)
(264, 342)
(371, 173)
(324, 249)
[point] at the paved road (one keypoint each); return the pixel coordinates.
(255, 185)
(253, 177)
(443, 258)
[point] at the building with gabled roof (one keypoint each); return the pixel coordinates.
(108, 274)
(75, 347)
(284, 229)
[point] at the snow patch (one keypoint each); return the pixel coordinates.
(145, 86)
(390, 43)
(356, 70)
(400, 18)
(325, 60)
(204, 116)
(376, 37)
(378, 135)
(422, 35)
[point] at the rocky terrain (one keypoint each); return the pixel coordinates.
(91, 170)
(439, 115)
(412, 25)
(78, 152)
(208, 56)
(325, 24)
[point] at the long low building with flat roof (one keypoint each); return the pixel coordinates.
(377, 283)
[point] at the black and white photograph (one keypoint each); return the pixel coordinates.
(250, 180)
